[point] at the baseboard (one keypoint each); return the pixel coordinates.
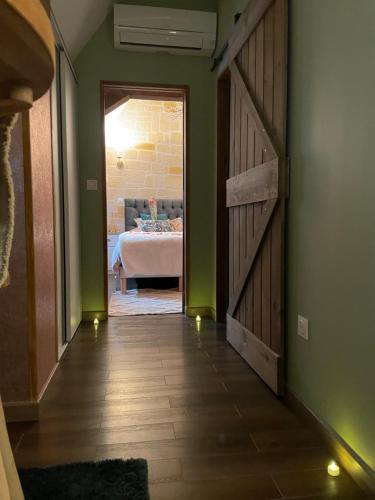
(61, 350)
(46, 384)
(359, 470)
(21, 411)
(204, 312)
(91, 315)
(26, 411)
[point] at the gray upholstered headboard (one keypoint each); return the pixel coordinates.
(134, 207)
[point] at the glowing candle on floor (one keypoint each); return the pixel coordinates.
(198, 322)
(333, 469)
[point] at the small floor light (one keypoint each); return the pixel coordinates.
(198, 322)
(96, 322)
(333, 469)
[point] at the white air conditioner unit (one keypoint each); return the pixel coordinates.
(154, 29)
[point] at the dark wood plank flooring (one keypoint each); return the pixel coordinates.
(153, 387)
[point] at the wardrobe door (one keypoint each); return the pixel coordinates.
(58, 208)
(72, 245)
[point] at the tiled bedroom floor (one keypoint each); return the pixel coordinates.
(152, 387)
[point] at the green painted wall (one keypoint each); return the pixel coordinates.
(100, 61)
(331, 236)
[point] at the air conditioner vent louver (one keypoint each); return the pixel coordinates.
(159, 46)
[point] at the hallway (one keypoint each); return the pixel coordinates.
(153, 387)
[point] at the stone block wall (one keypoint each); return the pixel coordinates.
(151, 158)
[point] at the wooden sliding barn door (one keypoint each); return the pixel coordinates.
(256, 186)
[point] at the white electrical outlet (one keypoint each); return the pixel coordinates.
(303, 327)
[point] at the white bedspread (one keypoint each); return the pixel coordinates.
(149, 254)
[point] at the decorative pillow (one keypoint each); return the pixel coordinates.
(156, 226)
(176, 214)
(177, 225)
(138, 221)
(148, 216)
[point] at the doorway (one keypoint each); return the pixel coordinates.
(145, 198)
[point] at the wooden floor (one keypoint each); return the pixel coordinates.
(153, 387)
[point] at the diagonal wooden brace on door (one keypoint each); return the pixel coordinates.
(246, 24)
(268, 211)
(256, 184)
(259, 121)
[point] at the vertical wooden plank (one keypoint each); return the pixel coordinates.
(279, 127)
(269, 47)
(244, 167)
(251, 162)
(267, 155)
(236, 210)
(231, 173)
(259, 79)
(242, 209)
(222, 219)
(249, 294)
(230, 252)
(252, 62)
(239, 108)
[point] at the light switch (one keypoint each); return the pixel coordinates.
(303, 327)
(91, 185)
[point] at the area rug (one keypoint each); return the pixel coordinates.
(145, 301)
(108, 480)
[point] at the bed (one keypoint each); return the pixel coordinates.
(148, 255)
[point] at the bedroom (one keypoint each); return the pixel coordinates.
(144, 163)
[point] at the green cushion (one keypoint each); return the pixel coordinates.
(148, 216)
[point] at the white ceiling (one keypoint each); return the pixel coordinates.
(78, 20)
